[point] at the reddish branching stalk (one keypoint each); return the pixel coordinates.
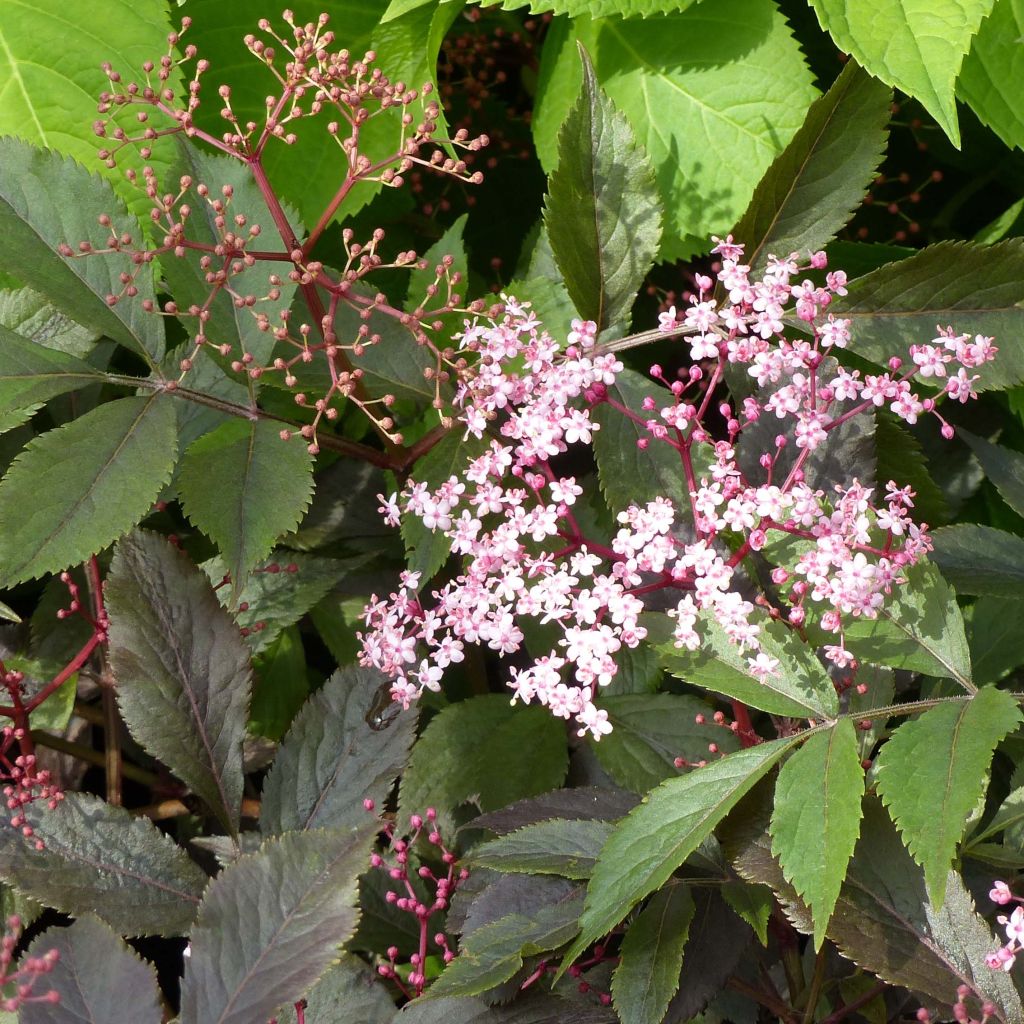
(312, 79)
(395, 860)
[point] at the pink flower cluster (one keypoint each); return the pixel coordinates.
(18, 980)
(510, 513)
(1005, 957)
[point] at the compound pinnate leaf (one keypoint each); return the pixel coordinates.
(87, 483)
(271, 924)
(931, 774)
(990, 71)
(601, 214)
(655, 838)
(916, 47)
(331, 760)
(244, 488)
(648, 973)
(98, 978)
(47, 200)
(100, 859)
(817, 182)
(819, 790)
(182, 669)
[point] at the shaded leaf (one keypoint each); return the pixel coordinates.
(271, 924)
(555, 847)
(752, 903)
(649, 731)
(31, 373)
(656, 837)
(280, 687)
(816, 183)
(647, 976)
(586, 803)
(31, 315)
(350, 990)
(87, 482)
(1003, 466)
(47, 200)
(472, 752)
(98, 978)
(502, 895)
(819, 790)
(980, 559)
(601, 214)
(331, 760)
(996, 636)
(918, 50)
(901, 458)
(100, 859)
(975, 287)
(263, 488)
(932, 772)
(596, 8)
(182, 669)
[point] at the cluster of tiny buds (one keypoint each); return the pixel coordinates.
(19, 982)
(24, 782)
(961, 1013)
(395, 860)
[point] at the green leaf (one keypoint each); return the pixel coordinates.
(753, 903)
(46, 201)
(244, 488)
(800, 687)
(628, 474)
(1003, 466)
(50, 93)
(98, 978)
(649, 731)
(350, 990)
(816, 183)
(271, 924)
(994, 63)
(472, 751)
(819, 789)
(655, 838)
(597, 8)
(980, 560)
(31, 315)
(87, 483)
(281, 685)
(331, 760)
(976, 288)
(919, 628)
(555, 847)
(492, 954)
(883, 921)
(428, 550)
(648, 972)
(932, 772)
(901, 458)
(229, 323)
(275, 598)
(182, 669)
(714, 94)
(30, 373)
(916, 49)
(99, 859)
(602, 215)
(996, 637)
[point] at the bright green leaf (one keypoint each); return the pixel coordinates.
(271, 924)
(819, 791)
(182, 667)
(30, 373)
(932, 772)
(991, 70)
(331, 760)
(813, 187)
(244, 487)
(913, 46)
(601, 214)
(655, 838)
(46, 201)
(647, 976)
(87, 483)
(597, 8)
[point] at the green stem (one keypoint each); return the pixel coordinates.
(817, 982)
